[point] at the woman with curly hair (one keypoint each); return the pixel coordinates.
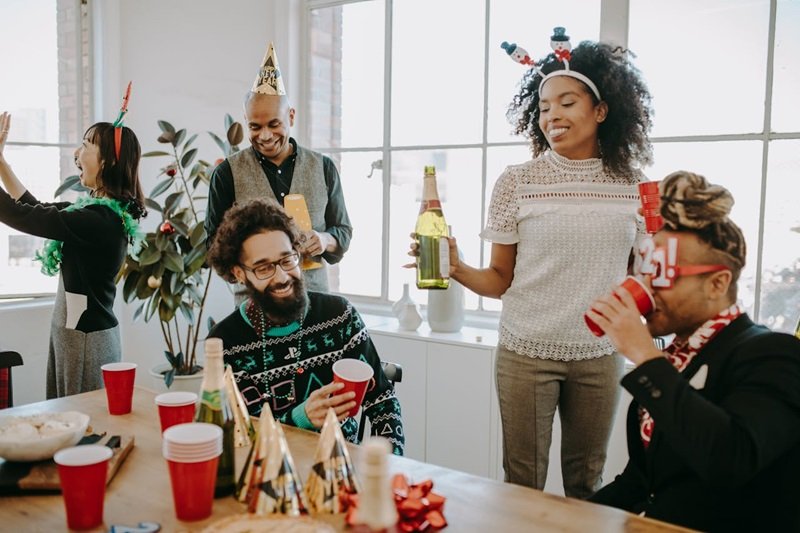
(562, 228)
(88, 241)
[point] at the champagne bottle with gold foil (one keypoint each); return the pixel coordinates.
(797, 329)
(433, 261)
(214, 408)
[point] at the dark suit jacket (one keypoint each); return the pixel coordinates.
(726, 456)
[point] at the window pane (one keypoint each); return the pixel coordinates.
(19, 274)
(437, 78)
(734, 165)
(30, 88)
(346, 75)
(458, 176)
(780, 285)
(359, 271)
(529, 24)
(786, 83)
(497, 161)
(704, 61)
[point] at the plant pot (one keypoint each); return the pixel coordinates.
(190, 383)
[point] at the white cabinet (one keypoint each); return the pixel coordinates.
(447, 394)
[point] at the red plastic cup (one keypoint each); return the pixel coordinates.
(356, 376)
(175, 408)
(650, 197)
(644, 302)
(118, 379)
(83, 471)
(192, 452)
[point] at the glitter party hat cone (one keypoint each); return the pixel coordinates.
(279, 490)
(332, 477)
(269, 80)
(243, 431)
(257, 458)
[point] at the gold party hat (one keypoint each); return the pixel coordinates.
(332, 474)
(269, 79)
(243, 431)
(257, 458)
(279, 490)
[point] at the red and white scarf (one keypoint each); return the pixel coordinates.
(680, 355)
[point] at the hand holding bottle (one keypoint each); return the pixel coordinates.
(455, 260)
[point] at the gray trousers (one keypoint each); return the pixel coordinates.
(586, 394)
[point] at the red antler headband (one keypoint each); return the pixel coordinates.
(119, 122)
(561, 46)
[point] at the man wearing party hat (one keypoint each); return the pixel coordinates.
(275, 167)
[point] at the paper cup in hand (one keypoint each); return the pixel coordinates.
(356, 376)
(644, 302)
(295, 206)
(118, 379)
(175, 408)
(650, 198)
(82, 471)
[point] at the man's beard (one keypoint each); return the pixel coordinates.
(285, 310)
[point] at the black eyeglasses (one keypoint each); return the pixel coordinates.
(267, 270)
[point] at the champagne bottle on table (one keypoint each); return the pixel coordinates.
(214, 408)
(433, 261)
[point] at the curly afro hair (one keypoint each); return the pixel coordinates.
(689, 203)
(624, 144)
(241, 222)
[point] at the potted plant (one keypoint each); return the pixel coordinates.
(170, 276)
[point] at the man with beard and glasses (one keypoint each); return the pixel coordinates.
(714, 426)
(283, 340)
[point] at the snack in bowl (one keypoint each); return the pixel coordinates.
(38, 437)
(264, 524)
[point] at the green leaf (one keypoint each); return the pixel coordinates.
(150, 255)
(166, 127)
(172, 202)
(180, 227)
(228, 121)
(188, 157)
(187, 312)
(165, 313)
(219, 142)
(129, 287)
(161, 187)
(179, 135)
(189, 141)
(152, 204)
(138, 312)
(155, 153)
(172, 261)
(169, 377)
(163, 241)
(152, 306)
(171, 359)
(198, 235)
(70, 182)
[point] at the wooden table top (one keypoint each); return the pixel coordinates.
(141, 492)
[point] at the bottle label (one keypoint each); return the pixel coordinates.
(429, 204)
(212, 400)
(444, 258)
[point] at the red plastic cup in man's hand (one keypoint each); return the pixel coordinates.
(356, 376)
(118, 379)
(644, 302)
(82, 471)
(650, 198)
(175, 407)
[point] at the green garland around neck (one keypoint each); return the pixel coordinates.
(51, 254)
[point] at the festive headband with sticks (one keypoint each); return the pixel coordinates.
(561, 46)
(119, 123)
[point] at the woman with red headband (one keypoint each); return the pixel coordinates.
(88, 242)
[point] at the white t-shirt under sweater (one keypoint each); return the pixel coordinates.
(574, 226)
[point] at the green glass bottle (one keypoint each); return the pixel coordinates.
(433, 261)
(797, 329)
(214, 408)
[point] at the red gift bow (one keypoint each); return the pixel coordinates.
(418, 507)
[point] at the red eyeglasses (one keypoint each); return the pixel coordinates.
(660, 262)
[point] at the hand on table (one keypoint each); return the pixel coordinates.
(323, 398)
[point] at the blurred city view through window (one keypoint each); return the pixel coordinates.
(46, 91)
(436, 93)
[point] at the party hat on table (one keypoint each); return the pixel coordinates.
(332, 477)
(243, 431)
(257, 458)
(269, 80)
(279, 490)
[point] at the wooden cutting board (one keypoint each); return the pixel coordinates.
(42, 476)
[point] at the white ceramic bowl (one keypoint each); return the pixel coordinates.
(38, 437)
